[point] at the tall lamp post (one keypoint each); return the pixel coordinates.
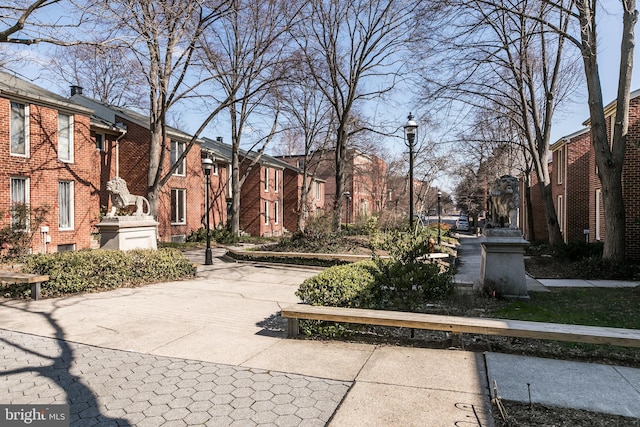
(410, 131)
(439, 215)
(207, 165)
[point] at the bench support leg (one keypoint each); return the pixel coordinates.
(35, 291)
(293, 328)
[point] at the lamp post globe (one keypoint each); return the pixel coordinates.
(207, 165)
(410, 133)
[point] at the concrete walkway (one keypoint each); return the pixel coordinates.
(212, 351)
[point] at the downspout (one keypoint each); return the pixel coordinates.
(122, 128)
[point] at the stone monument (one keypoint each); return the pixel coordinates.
(125, 232)
(502, 265)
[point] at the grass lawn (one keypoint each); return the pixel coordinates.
(617, 308)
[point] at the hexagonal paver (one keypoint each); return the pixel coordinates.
(242, 414)
(176, 414)
(111, 387)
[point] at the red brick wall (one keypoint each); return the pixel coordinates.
(44, 171)
(253, 196)
(134, 164)
(631, 183)
(540, 232)
(293, 193)
(574, 187)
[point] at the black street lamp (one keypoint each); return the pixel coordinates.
(410, 131)
(207, 165)
(439, 215)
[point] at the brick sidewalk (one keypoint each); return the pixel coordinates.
(111, 387)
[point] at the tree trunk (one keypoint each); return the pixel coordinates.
(609, 157)
(341, 154)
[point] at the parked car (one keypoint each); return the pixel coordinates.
(462, 223)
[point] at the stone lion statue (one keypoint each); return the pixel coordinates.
(505, 198)
(120, 198)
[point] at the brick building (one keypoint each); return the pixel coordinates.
(365, 181)
(181, 204)
(49, 160)
(577, 191)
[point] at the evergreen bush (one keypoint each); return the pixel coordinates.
(87, 271)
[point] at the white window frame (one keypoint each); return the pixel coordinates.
(101, 142)
(215, 169)
(276, 180)
(177, 148)
(25, 196)
(65, 155)
(276, 212)
(560, 168)
(266, 180)
(70, 208)
(560, 213)
(318, 192)
(598, 217)
(178, 200)
(266, 212)
(25, 118)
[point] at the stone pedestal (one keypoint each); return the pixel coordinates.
(502, 264)
(128, 232)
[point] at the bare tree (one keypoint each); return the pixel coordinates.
(610, 155)
(346, 44)
(31, 22)
(310, 120)
(163, 37)
(104, 72)
(503, 59)
(246, 54)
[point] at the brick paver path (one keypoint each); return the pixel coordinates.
(118, 388)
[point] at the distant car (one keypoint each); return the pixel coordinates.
(462, 224)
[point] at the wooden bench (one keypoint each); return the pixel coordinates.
(34, 279)
(457, 325)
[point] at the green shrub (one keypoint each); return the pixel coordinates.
(86, 271)
(351, 285)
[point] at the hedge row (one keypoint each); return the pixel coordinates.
(87, 271)
(379, 284)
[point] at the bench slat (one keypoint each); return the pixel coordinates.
(474, 325)
(22, 277)
(33, 279)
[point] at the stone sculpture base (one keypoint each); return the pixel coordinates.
(502, 264)
(128, 232)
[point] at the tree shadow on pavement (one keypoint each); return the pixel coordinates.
(82, 401)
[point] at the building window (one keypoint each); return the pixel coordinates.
(560, 209)
(300, 164)
(178, 206)
(100, 141)
(266, 180)
(276, 180)
(19, 128)
(266, 213)
(19, 198)
(560, 168)
(65, 138)
(65, 205)
(276, 209)
(177, 148)
(598, 216)
(318, 192)
(215, 169)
